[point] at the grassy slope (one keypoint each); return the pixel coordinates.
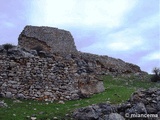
(117, 90)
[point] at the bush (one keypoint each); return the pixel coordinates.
(7, 46)
(156, 76)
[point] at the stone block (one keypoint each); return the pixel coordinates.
(49, 39)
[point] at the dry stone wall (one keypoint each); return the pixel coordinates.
(58, 77)
(54, 78)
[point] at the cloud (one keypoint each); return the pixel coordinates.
(149, 22)
(149, 61)
(152, 56)
(85, 12)
(8, 24)
(124, 40)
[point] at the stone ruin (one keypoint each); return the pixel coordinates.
(50, 39)
(59, 76)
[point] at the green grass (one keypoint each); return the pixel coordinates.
(118, 89)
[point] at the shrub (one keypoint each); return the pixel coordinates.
(7, 46)
(156, 76)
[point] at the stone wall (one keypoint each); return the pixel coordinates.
(58, 77)
(54, 78)
(50, 39)
(109, 65)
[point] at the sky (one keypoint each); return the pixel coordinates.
(123, 29)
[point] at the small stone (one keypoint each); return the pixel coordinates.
(158, 114)
(158, 98)
(61, 102)
(21, 96)
(3, 104)
(9, 95)
(55, 118)
(33, 118)
(158, 106)
(158, 92)
(74, 96)
(67, 97)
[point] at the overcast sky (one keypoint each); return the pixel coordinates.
(125, 29)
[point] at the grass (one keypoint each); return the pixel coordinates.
(118, 89)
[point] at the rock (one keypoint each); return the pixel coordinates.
(158, 105)
(33, 118)
(34, 52)
(15, 52)
(107, 108)
(88, 88)
(158, 98)
(42, 54)
(49, 38)
(27, 54)
(3, 104)
(151, 110)
(47, 93)
(137, 108)
(21, 96)
(158, 93)
(158, 114)
(105, 117)
(74, 96)
(8, 95)
(55, 118)
(115, 116)
(87, 113)
(61, 102)
(1, 95)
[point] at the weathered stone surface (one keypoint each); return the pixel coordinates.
(87, 113)
(115, 116)
(50, 39)
(138, 108)
(20, 96)
(46, 78)
(9, 95)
